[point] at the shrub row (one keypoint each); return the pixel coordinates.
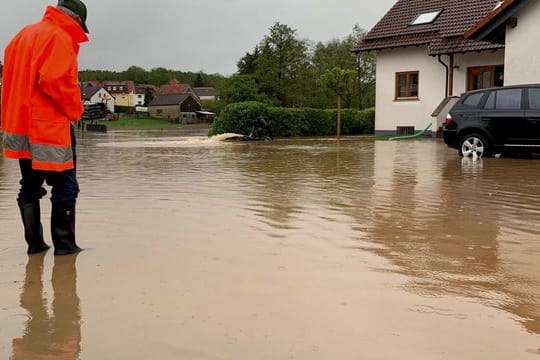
(285, 122)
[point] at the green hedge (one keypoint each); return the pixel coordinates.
(285, 122)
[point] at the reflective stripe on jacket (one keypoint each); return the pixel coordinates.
(40, 91)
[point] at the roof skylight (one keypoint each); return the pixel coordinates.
(427, 17)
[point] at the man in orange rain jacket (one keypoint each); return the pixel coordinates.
(40, 100)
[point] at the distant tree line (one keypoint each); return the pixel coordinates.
(158, 76)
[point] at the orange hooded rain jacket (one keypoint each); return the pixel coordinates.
(40, 91)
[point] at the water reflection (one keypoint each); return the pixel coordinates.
(56, 336)
(447, 228)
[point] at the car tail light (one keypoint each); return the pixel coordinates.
(448, 120)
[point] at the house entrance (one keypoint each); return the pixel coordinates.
(485, 76)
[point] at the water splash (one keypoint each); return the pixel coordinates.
(226, 136)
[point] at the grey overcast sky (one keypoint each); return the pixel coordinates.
(194, 35)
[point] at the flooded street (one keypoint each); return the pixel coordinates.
(292, 249)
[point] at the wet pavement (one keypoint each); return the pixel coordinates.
(293, 249)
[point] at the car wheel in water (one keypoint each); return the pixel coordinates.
(474, 145)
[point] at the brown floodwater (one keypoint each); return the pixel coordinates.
(292, 249)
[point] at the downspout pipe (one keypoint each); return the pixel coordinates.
(446, 92)
(449, 74)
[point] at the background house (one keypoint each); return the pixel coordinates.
(423, 60)
(98, 95)
(175, 107)
(124, 92)
(176, 101)
(174, 88)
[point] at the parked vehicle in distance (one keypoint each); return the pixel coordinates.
(495, 120)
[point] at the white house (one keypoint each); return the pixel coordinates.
(424, 61)
(96, 95)
(124, 92)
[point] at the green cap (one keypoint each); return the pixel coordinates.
(78, 7)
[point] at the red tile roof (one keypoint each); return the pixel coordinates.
(443, 36)
(173, 89)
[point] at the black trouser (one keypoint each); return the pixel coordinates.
(65, 187)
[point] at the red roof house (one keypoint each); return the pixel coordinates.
(424, 59)
(175, 88)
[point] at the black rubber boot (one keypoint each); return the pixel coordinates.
(63, 229)
(33, 231)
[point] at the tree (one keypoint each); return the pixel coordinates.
(337, 53)
(239, 88)
(248, 64)
(326, 56)
(159, 76)
(198, 80)
(136, 74)
(340, 81)
(281, 65)
(365, 71)
(148, 96)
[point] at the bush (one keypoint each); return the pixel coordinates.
(285, 122)
(237, 118)
(358, 122)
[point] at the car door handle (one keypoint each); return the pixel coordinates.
(486, 119)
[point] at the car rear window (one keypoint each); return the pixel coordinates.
(473, 100)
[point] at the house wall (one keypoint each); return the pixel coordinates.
(124, 99)
(392, 113)
(138, 99)
(190, 105)
(171, 112)
(522, 50)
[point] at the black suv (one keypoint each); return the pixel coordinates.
(495, 120)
